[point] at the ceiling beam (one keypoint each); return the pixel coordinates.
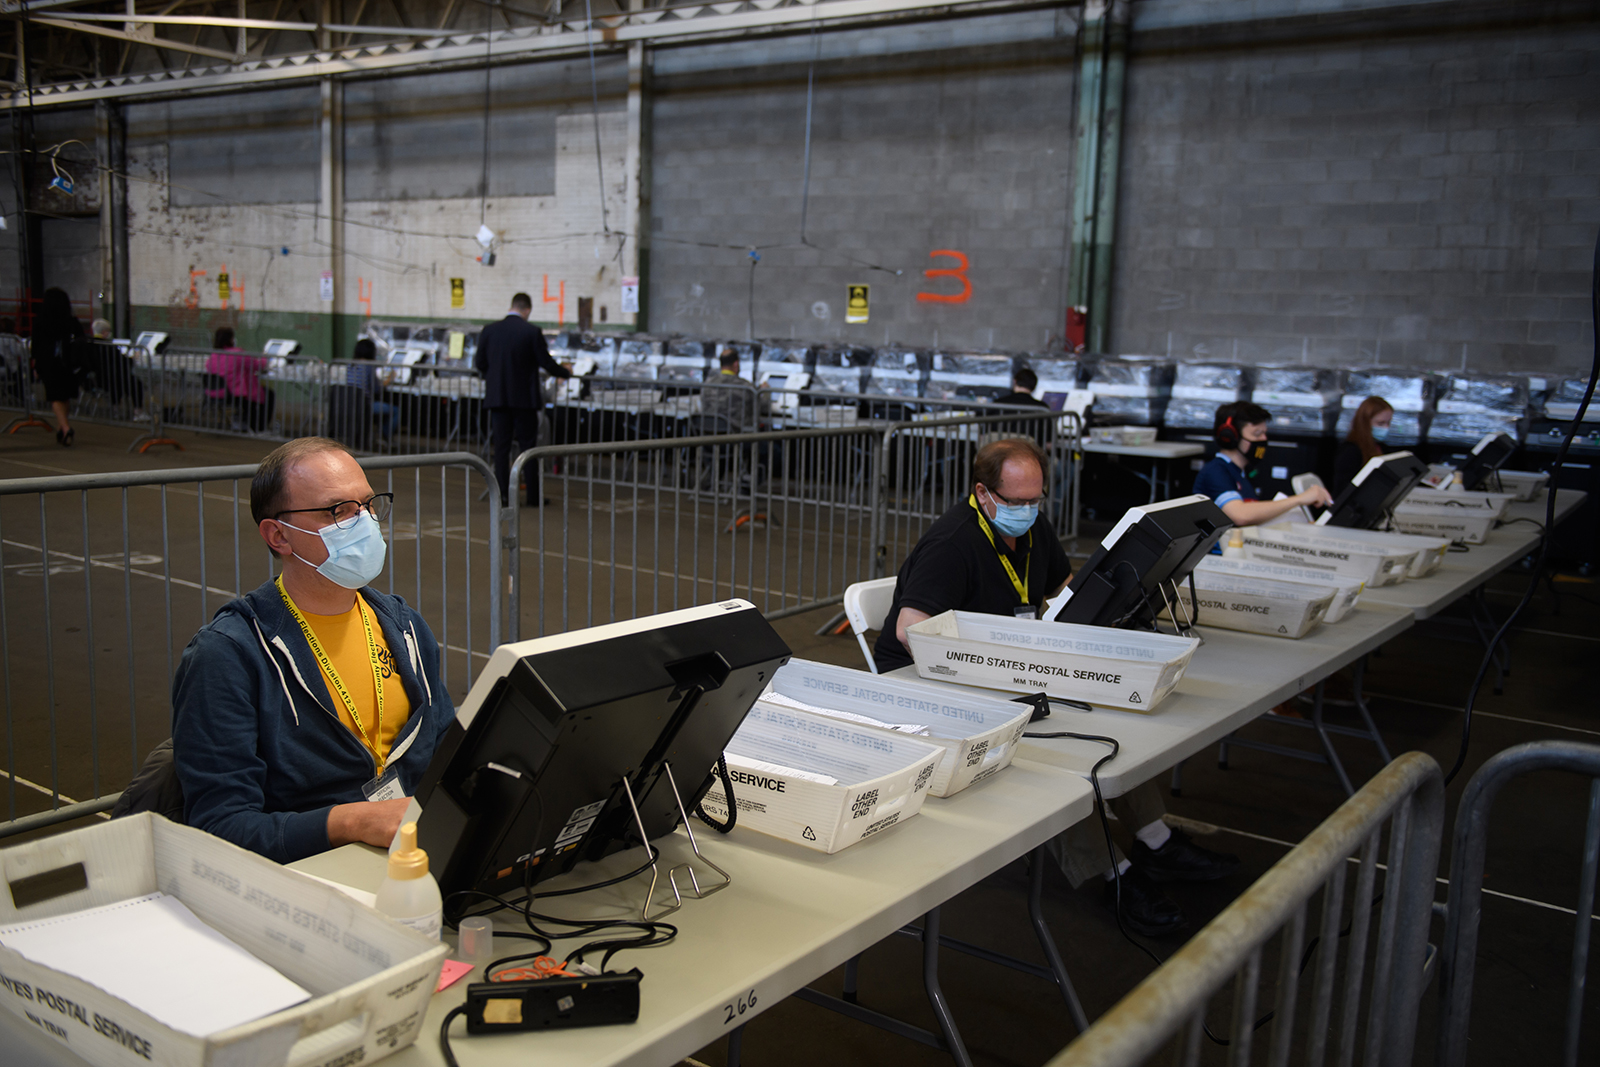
(136, 38)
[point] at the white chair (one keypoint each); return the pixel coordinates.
(866, 605)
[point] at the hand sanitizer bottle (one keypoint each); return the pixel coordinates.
(409, 894)
(1235, 547)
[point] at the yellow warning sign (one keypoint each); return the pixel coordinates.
(223, 292)
(458, 292)
(855, 304)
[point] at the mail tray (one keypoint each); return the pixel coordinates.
(370, 978)
(1459, 524)
(821, 782)
(1119, 668)
(1256, 605)
(1368, 563)
(1426, 552)
(1309, 573)
(978, 733)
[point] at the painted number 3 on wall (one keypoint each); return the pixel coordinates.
(744, 1004)
(958, 272)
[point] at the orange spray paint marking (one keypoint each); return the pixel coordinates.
(364, 295)
(560, 301)
(948, 272)
(193, 299)
(238, 290)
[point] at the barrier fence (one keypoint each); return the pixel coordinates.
(1264, 931)
(1469, 846)
(786, 519)
(104, 578)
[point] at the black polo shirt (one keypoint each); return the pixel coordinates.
(954, 567)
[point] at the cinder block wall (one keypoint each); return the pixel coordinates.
(1423, 198)
(944, 136)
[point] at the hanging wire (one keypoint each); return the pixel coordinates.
(594, 92)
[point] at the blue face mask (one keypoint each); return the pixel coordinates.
(355, 555)
(1013, 520)
(1380, 433)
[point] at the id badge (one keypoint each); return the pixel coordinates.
(386, 786)
(1025, 611)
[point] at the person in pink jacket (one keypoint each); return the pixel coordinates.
(241, 387)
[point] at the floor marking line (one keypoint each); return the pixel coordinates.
(1384, 867)
(1558, 633)
(1485, 714)
(46, 790)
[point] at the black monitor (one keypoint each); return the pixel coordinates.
(528, 779)
(1151, 546)
(1375, 490)
(1487, 456)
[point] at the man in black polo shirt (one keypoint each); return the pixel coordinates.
(985, 554)
(989, 554)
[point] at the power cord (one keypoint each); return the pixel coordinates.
(1116, 875)
(1549, 523)
(733, 806)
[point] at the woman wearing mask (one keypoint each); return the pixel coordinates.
(1240, 430)
(1368, 429)
(57, 338)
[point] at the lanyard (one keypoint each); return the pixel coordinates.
(1011, 572)
(371, 740)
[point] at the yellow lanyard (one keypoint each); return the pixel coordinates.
(333, 675)
(1011, 572)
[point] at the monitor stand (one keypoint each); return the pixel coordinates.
(672, 873)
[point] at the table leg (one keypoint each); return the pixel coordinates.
(735, 1045)
(936, 997)
(852, 974)
(1041, 929)
(1327, 740)
(1360, 701)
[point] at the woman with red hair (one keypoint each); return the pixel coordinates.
(1368, 428)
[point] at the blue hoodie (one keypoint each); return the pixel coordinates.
(260, 752)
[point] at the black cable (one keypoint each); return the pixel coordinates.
(1532, 522)
(733, 807)
(1549, 521)
(444, 1034)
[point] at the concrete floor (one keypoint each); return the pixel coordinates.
(1256, 808)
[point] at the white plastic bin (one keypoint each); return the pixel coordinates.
(1458, 524)
(978, 733)
(822, 782)
(1256, 605)
(1119, 668)
(370, 977)
(1308, 573)
(1368, 562)
(1427, 552)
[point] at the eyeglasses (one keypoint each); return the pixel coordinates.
(1034, 502)
(345, 513)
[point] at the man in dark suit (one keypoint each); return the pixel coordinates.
(510, 355)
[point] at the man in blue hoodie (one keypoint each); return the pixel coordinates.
(305, 713)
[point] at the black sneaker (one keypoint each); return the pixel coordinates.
(1146, 910)
(1181, 860)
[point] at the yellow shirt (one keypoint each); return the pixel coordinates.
(344, 639)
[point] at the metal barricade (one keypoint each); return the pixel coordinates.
(1169, 1009)
(104, 578)
(1468, 847)
(784, 518)
(780, 518)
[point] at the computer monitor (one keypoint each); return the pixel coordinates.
(1151, 546)
(152, 341)
(528, 779)
(280, 346)
(1487, 456)
(1375, 490)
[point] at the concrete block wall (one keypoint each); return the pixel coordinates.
(940, 136)
(1425, 199)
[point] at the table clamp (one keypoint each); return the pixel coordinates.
(700, 893)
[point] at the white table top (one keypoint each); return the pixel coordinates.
(1462, 572)
(1233, 678)
(790, 915)
(1154, 450)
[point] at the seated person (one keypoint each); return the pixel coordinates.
(240, 374)
(1023, 383)
(1240, 429)
(1368, 427)
(724, 401)
(366, 375)
(989, 554)
(305, 713)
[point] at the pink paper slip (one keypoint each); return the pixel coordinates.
(450, 973)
